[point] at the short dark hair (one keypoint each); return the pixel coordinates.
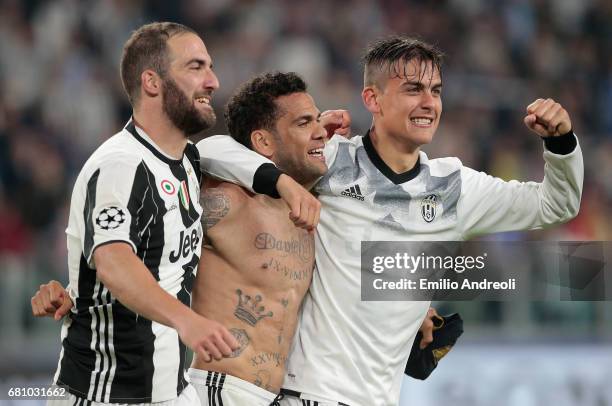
(254, 106)
(147, 49)
(390, 55)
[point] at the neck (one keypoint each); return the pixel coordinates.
(395, 152)
(164, 134)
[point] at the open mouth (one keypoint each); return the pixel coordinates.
(422, 121)
(203, 100)
(316, 153)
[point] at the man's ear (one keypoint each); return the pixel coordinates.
(370, 95)
(150, 83)
(263, 142)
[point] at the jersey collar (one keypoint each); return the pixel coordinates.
(145, 140)
(396, 178)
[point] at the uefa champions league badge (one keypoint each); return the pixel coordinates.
(111, 217)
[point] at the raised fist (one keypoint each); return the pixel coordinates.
(547, 118)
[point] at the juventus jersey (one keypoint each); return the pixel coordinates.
(352, 351)
(129, 191)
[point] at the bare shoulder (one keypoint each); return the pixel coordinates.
(213, 190)
(220, 200)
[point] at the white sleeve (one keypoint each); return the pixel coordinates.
(113, 200)
(225, 158)
(490, 205)
(222, 157)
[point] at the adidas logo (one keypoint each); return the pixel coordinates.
(354, 192)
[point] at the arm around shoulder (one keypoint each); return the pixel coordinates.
(224, 158)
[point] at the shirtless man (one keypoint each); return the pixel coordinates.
(257, 265)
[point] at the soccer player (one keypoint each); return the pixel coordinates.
(347, 351)
(256, 265)
(134, 234)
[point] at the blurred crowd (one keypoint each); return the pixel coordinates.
(61, 96)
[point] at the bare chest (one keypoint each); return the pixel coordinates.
(267, 249)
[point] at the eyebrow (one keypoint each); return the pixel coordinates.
(420, 85)
(198, 61)
(307, 117)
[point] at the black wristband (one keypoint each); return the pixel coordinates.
(561, 145)
(265, 178)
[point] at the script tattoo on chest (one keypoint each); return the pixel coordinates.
(250, 309)
(300, 248)
(243, 340)
(215, 206)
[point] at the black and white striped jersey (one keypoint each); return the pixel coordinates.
(129, 191)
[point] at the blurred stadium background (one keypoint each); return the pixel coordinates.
(60, 97)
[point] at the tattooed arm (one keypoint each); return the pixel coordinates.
(220, 201)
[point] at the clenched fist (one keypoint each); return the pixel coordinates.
(547, 118)
(336, 122)
(51, 300)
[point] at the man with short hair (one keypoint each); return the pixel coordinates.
(347, 351)
(134, 234)
(256, 264)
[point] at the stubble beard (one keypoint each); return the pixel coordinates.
(302, 172)
(182, 112)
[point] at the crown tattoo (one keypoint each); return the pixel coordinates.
(249, 310)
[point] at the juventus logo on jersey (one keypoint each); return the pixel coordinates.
(428, 207)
